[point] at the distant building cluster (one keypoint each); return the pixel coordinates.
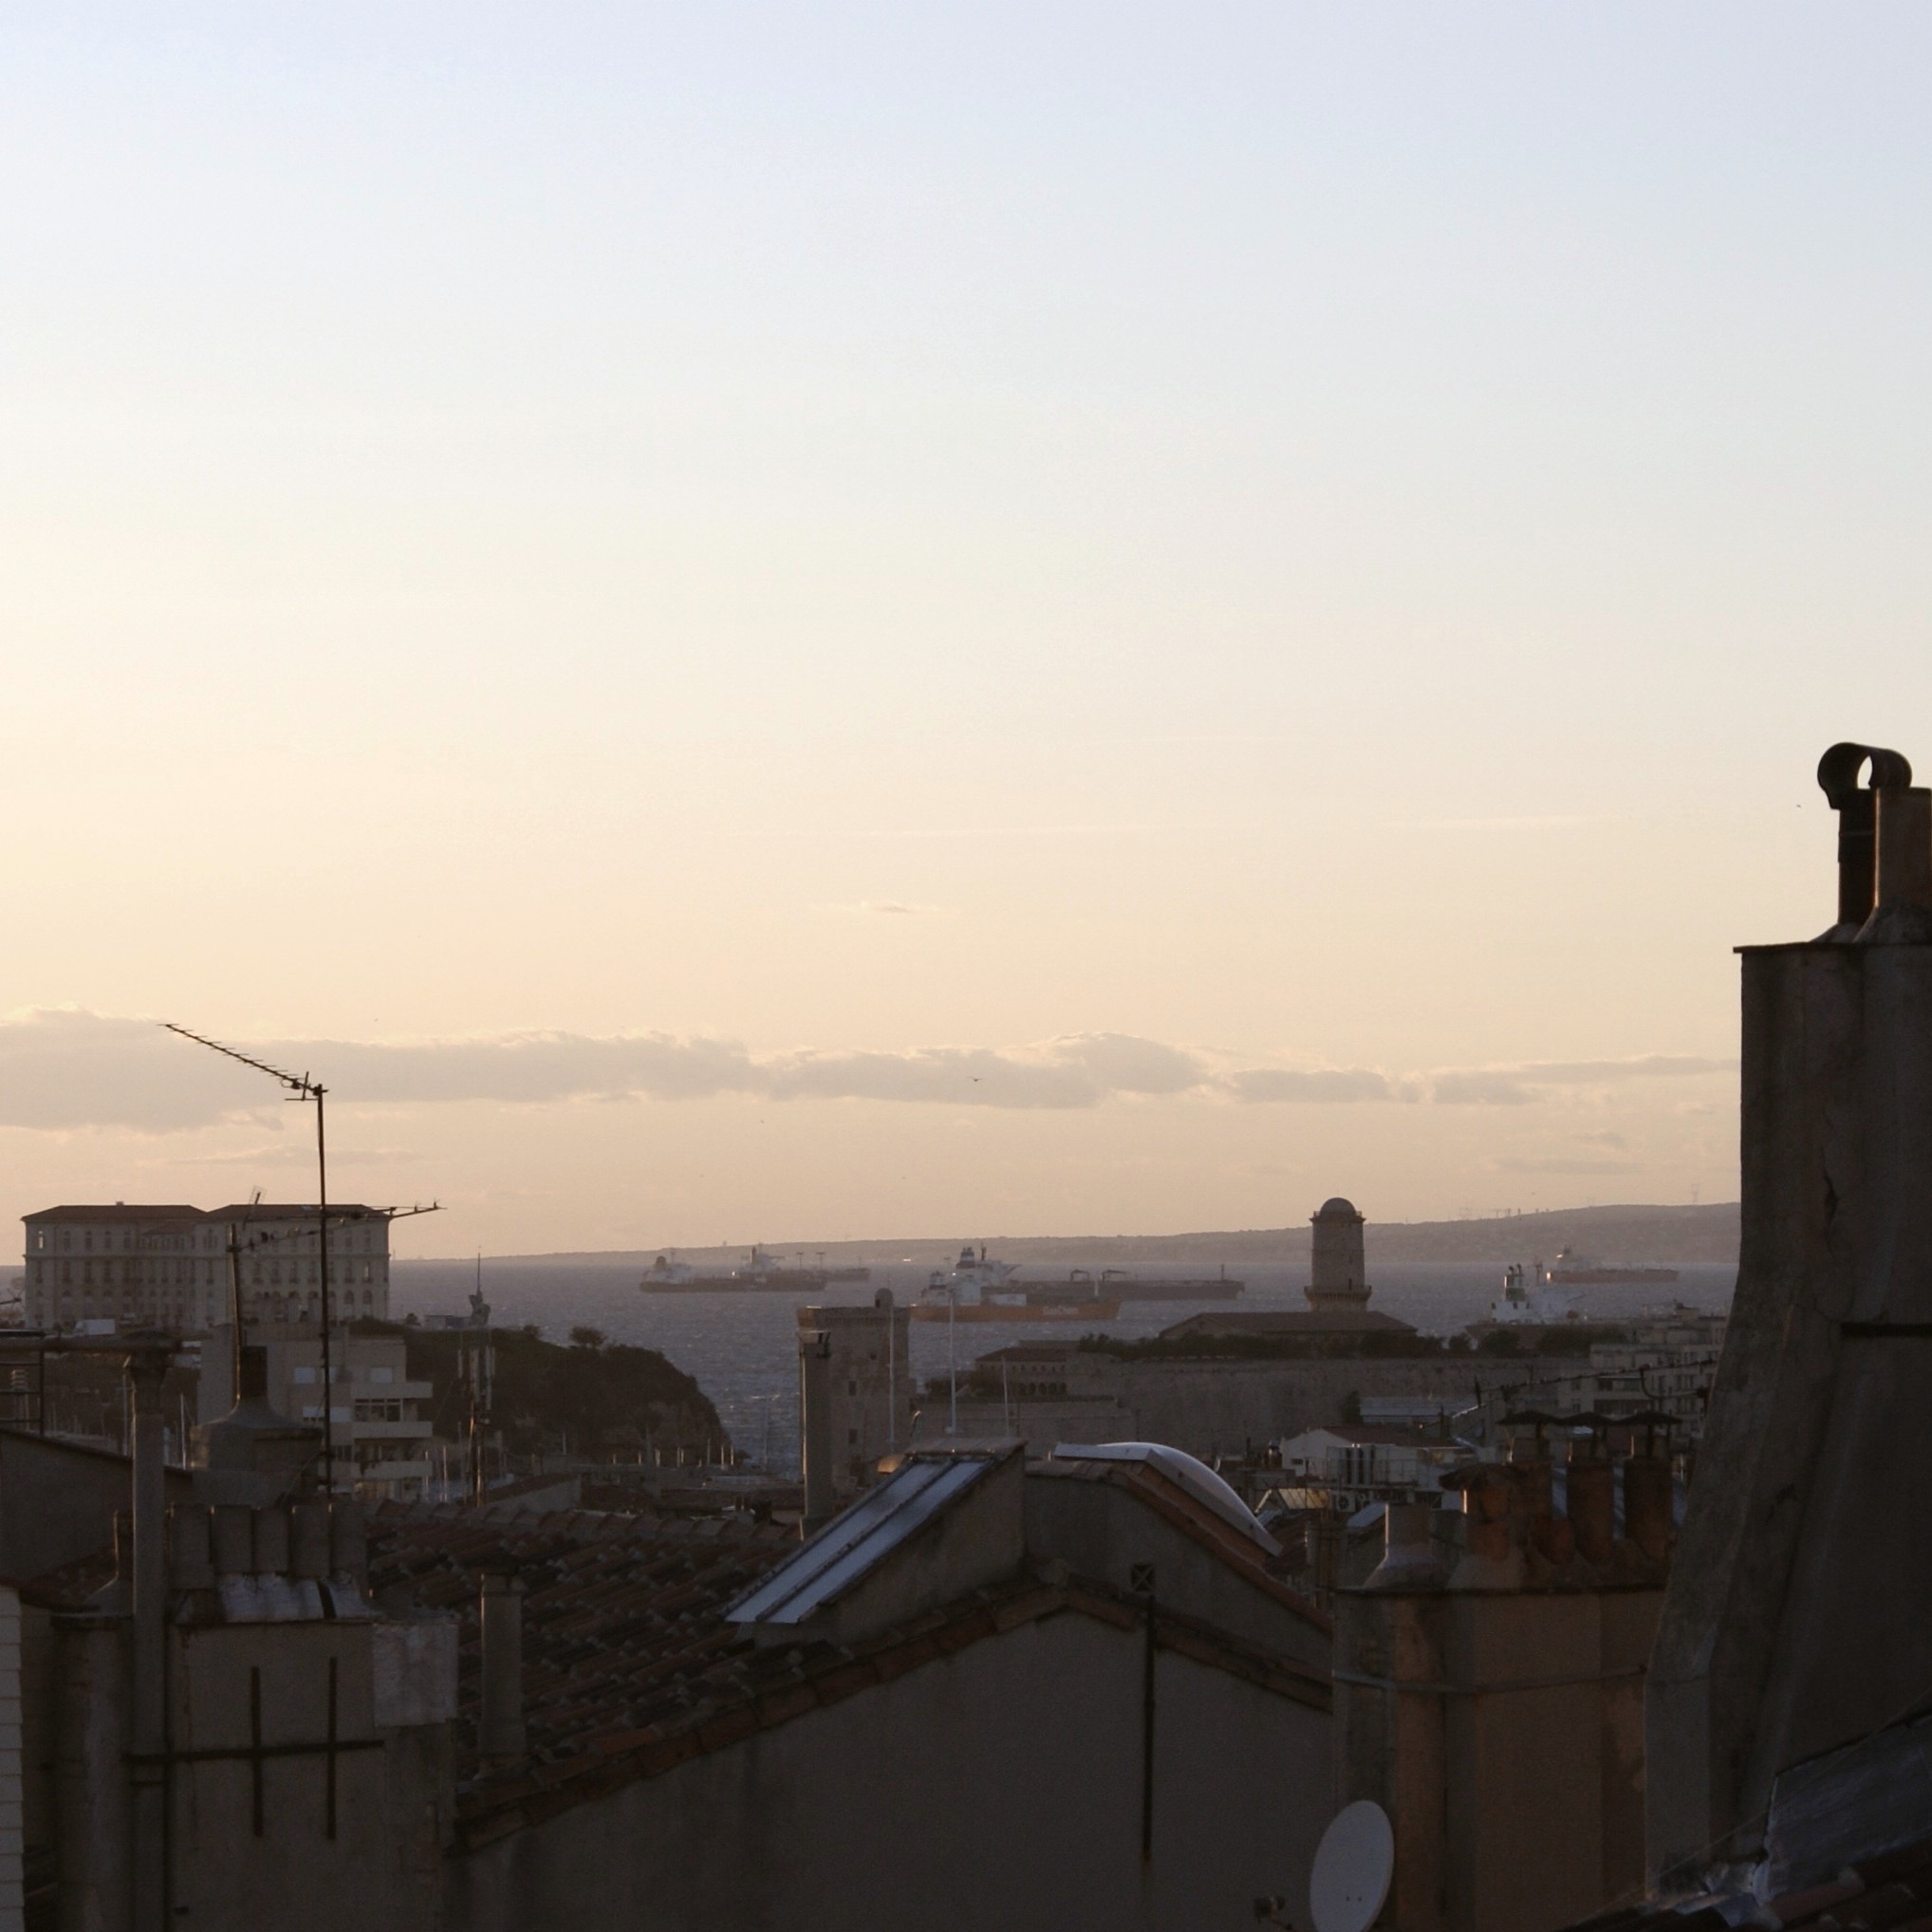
(169, 1267)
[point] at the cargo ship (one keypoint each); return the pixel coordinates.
(1122, 1286)
(1571, 1269)
(977, 1289)
(761, 1273)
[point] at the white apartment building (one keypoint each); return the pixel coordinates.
(380, 1421)
(167, 1267)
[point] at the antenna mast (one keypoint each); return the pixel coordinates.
(300, 1087)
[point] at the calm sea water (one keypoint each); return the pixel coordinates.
(741, 1346)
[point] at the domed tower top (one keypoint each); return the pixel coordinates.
(1338, 1276)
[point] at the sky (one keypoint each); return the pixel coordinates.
(801, 623)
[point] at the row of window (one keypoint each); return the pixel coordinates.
(182, 1310)
(210, 1240)
(132, 1273)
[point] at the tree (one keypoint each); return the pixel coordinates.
(587, 1338)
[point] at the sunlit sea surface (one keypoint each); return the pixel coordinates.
(740, 1346)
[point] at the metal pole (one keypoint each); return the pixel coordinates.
(951, 1364)
(327, 1370)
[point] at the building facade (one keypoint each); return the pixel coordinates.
(167, 1267)
(380, 1421)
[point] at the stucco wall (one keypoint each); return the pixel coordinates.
(1512, 1761)
(1102, 1531)
(1000, 1787)
(58, 1501)
(12, 1767)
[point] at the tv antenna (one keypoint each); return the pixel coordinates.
(300, 1086)
(1353, 1866)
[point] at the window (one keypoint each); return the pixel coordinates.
(382, 1375)
(852, 1436)
(303, 1373)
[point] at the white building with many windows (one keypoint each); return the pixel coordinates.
(168, 1267)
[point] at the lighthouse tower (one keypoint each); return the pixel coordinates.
(1338, 1274)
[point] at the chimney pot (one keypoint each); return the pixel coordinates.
(1647, 1505)
(500, 1731)
(308, 1541)
(188, 1535)
(233, 1539)
(1594, 1507)
(348, 1541)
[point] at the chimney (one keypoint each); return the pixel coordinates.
(1409, 1558)
(500, 1732)
(147, 1732)
(1794, 1623)
(1901, 914)
(815, 1423)
(1647, 1509)
(1592, 1502)
(1857, 813)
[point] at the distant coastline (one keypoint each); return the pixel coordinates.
(1625, 1233)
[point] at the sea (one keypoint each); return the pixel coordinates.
(741, 1347)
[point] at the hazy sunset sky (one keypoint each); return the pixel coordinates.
(828, 620)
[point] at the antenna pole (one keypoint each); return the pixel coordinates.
(317, 1090)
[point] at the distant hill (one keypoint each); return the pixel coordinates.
(1635, 1232)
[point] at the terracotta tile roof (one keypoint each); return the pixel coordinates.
(630, 1669)
(1893, 1890)
(622, 1616)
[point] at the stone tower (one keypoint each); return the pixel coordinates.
(1796, 1620)
(1338, 1276)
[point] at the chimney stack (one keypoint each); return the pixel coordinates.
(1592, 1502)
(1647, 1509)
(1794, 1621)
(816, 1424)
(501, 1736)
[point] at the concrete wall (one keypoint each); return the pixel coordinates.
(12, 1768)
(58, 1501)
(381, 1870)
(1000, 1787)
(1795, 1615)
(1503, 1731)
(979, 1539)
(1100, 1530)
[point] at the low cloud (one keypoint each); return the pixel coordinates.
(1560, 1165)
(66, 1070)
(1479, 1088)
(1319, 1084)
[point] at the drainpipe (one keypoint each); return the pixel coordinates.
(816, 1424)
(148, 1730)
(501, 1736)
(1857, 813)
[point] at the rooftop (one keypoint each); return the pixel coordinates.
(1290, 1322)
(631, 1667)
(176, 1211)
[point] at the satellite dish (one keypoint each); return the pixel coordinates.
(1353, 1866)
